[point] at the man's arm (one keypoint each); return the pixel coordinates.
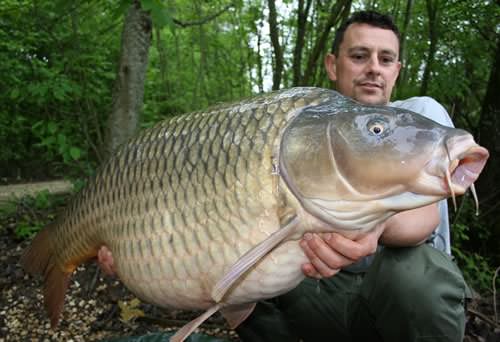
(328, 253)
(411, 227)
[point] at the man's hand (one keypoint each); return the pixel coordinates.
(330, 252)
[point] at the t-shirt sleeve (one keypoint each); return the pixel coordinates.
(427, 107)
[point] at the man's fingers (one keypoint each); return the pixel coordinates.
(353, 250)
(325, 261)
(332, 257)
(310, 271)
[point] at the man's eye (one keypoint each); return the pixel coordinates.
(387, 60)
(358, 57)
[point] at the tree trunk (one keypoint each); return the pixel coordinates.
(128, 92)
(302, 14)
(340, 10)
(402, 48)
(395, 10)
(275, 41)
(489, 137)
(432, 12)
(260, 73)
(202, 43)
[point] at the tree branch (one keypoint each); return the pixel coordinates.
(278, 52)
(205, 20)
(338, 11)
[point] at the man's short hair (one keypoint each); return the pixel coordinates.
(371, 18)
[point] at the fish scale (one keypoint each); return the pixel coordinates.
(204, 210)
(178, 174)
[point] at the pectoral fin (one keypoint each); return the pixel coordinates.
(250, 258)
(188, 329)
(236, 314)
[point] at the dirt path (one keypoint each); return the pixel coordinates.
(14, 191)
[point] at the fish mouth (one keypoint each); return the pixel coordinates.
(466, 160)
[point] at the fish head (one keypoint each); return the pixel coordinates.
(354, 166)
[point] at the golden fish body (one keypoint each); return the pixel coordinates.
(205, 210)
(179, 204)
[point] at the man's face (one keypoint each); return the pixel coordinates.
(367, 64)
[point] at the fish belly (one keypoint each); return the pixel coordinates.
(277, 273)
(179, 204)
(173, 271)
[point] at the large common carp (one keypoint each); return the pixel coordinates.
(205, 210)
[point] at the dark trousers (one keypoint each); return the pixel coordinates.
(407, 294)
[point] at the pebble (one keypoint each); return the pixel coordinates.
(23, 318)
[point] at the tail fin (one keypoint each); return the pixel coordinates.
(39, 259)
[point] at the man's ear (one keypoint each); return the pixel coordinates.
(330, 66)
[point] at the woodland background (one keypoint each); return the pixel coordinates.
(79, 77)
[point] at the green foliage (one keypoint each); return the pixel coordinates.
(53, 73)
(161, 12)
(476, 269)
(467, 227)
(60, 58)
(466, 30)
(57, 141)
(31, 213)
(199, 65)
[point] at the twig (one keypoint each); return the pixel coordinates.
(495, 293)
(93, 283)
(484, 318)
(202, 21)
(459, 211)
(99, 324)
(490, 210)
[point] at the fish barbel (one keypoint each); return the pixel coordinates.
(205, 210)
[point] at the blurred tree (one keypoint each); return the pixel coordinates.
(433, 13)
(128, 92)
(489, 136)
(278, 53)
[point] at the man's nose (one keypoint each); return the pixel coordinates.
(373, 65)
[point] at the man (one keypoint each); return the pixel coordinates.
(408, 291)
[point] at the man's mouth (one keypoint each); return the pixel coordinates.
(370, 85)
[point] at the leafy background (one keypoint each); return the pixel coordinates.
(60, 58)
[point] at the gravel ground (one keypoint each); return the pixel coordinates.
(99, 308)
(96, 307)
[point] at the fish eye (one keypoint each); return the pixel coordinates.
(376, 127)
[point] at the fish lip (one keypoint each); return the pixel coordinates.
(465, 167)
(453, 168)
(464, 162)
